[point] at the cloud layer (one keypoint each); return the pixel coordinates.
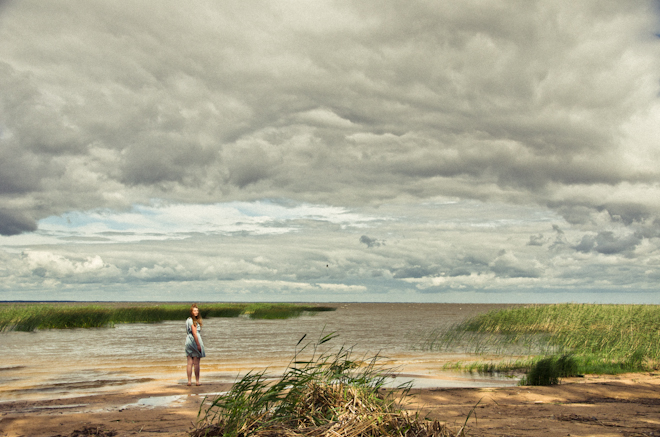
(545, 105)
(437, 251)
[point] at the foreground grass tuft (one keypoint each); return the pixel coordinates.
(326, 395)
(30, 317)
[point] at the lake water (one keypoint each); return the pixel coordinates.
(64, 363)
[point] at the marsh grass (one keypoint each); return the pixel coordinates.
(329, 394)
(548, 371)
(599, 338)
(505, 366)
(30, 317)
(458, 340)
(281, 311)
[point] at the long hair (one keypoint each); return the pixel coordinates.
(197, 319)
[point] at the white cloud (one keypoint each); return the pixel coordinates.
(54, 267)
(324, 117)
(426, 250)
(60, 265)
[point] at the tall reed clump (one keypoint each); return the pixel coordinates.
(600, 338)
(51, 316)
(329, 394)
(549, 370)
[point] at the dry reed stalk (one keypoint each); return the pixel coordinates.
(350, 412)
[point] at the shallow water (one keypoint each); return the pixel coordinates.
(64, 363)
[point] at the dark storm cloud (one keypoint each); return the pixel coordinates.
(628, 212)
(106, 105)
(414, 272)
(459, 272)
(509, 266)
(13, 223)
(586, 244)
(509, 271)
(624, 211)
(574, 214)
(607, 243)
(29, 136)
(536, 240)
(560, 238)
(20, 171)
(164, 159)
(370, 242)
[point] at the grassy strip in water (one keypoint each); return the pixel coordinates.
(29, 317)
(327, 395)
(504, 366)
(600, 338)
(590, 364)
(282, 311)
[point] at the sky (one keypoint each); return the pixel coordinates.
(330, 151)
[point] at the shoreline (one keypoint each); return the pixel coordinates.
(70, 359)
(52, 386)
(604, 405)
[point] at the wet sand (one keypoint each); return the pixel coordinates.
(624, 405)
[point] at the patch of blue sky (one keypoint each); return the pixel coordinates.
(292, 211)
(92, 222)
(161, 220)
(69, 220)
(261, 208)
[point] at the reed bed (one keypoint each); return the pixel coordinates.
(330, 394)
(599, 338)
(31, 317)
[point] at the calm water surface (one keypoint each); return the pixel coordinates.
(58, 363)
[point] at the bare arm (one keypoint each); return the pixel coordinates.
(194, 333)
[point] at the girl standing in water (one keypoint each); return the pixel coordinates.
(194, 344)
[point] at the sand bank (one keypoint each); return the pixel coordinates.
(625, 405)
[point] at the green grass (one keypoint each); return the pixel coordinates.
(327, 394)
(548, 371)
(281, 311)
(505, 366)
(30, 317)
(600, 338)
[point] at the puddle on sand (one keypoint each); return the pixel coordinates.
(423, 381)
(167, 401)
(153, 401)
(159, 401)
(418, 381)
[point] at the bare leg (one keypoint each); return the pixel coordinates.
(189, 369)
(196, 361)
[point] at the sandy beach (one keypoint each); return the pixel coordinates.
(623, 405)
